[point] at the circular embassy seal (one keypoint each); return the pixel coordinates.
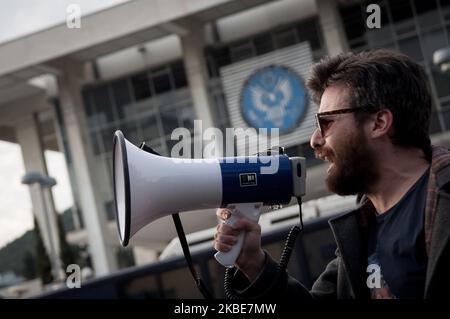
(273, 97)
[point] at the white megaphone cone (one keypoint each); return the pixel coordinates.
(148, 186)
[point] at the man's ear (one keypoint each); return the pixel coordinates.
(382, 123)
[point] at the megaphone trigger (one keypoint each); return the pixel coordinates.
(251, 211)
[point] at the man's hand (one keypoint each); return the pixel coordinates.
(251, 259)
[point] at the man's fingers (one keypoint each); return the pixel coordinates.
(223, 213)
(222, 247)
(226, 239)
(241, 224)
(223, 242)
(246, 225)
(227, 230)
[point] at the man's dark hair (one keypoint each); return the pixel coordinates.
(379, 79)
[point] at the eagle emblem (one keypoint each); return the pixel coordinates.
(273, 97)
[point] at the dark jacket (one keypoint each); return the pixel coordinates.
(345, 276)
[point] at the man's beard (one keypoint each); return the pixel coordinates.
(353, 170)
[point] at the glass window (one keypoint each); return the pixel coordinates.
(424, 6)
(285, 38)
(377, 37)
(427, 14)
(107, 136)
(108, 166)
(89, 108)
(122, 98)
(186, 114)
(241, 51)
(435, 125)
(145, 106)
(354, 24)
(445, 103)
(161, 82)
(50, 143)
(445, 7)
(103, 105)
(411, 47)
(157, 145)
(95, 143)
(263, 44)
(171, 143)
(446, 116)
(141, 86)
(169, 121)
(400, 10)
(222, 119)
(46, 126)
(309, 31)
(358, 44)
(130, 131)
(221, 56)
(432, 41)
(47, 130)
(406, 27)
(442, 82)
(179, 75)
(446, 14)
(149, 128)
(385, 19)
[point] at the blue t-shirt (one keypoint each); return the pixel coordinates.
(397, 255)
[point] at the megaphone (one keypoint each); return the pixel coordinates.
(149, 186)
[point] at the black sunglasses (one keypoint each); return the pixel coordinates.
(322, 122)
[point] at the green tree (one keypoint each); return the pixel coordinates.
(44, 268)
(67, 252)
(29, 266)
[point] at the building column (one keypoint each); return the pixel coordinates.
(101, 243)
(41, 198)
(332, 26)
(197, 73)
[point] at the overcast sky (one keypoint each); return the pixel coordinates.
(19, 18)
(15, 206)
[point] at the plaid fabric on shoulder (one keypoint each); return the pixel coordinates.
(440, 159)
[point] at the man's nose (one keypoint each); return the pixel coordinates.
(316, 139)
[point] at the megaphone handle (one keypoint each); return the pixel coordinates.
(247, 210)
(227, 259)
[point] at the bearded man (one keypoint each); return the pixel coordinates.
(373, 130)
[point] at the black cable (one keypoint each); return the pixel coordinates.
(187, 255)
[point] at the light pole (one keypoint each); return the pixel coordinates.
(44, 181)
